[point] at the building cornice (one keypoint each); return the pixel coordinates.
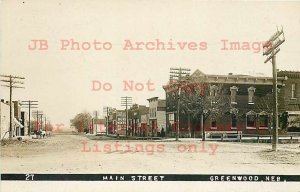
(291, 74)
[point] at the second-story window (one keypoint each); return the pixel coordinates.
(233, 91)
(213, 90)
(171, 117)
(293, 90)
(213, 93)
(251, 91)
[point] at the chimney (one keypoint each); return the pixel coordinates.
(2, 100)
(230, 73)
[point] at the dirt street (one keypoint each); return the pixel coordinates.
(90, 154)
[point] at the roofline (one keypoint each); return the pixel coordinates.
(152, 98)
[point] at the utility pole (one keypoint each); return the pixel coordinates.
(30, 105)
(11, 82)
(126, 101)
(178, 115)
(37, 113)
(271, 48)
(106, 111)
(41, 121)
(45, 123)
(95, 120)
(180, 74)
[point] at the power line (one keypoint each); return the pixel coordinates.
(125, 102)
(11, 82)
(106, 111)
(30, 105)
(38, 113)
(180, 74)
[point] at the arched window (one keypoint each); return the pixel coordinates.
(213, 123)
(263, 120)
(251, 120)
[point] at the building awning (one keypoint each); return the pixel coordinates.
(18, 123)
(293, 112)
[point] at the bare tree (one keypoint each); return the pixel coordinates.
(202, 100)
(265, 103)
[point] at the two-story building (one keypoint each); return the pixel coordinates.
(289, 100)
(135, 119)
(229, 103)
(145, 124)
(117, 122)
(4, 119)
(157, 116)
(25, 122)
(19, 119)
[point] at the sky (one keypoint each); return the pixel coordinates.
(61, 79)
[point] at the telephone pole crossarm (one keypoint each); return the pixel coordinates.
(180, 75)
(11, 82)
(271, 48)
(126, 102)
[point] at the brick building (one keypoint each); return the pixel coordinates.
(289, 98)
(145, 124)
(246, 104)
(117, 122)
(136, 128)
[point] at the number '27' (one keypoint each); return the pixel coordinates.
(29, 177)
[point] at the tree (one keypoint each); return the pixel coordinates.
(49, 127)
(265, 103)
(205, 103)
(201, 100)
(82, 121)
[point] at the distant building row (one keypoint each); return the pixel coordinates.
(19, 119)
(226, 103)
